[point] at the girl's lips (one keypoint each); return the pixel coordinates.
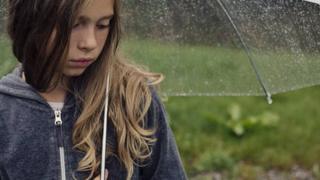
(80, 63)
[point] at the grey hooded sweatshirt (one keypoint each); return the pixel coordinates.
(36, 141)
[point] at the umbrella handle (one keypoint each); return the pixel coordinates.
(104, 138)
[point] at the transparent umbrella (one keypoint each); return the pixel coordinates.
(226, 47)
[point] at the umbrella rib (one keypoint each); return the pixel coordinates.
(264, 87)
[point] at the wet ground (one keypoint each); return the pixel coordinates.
(296, 173)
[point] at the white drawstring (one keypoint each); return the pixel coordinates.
(104, 139)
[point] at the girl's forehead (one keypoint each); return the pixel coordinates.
(95, 9)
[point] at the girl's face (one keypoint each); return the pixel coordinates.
(88, 36)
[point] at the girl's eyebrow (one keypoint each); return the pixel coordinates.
(88, 19)
(106, 17)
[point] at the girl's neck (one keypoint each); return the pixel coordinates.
(56, 95)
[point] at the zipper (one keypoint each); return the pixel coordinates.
(58, 124)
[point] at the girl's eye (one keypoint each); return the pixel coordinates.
(75, 25)
(103, 26)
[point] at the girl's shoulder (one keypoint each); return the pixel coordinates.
(156, 115)
(5, 101)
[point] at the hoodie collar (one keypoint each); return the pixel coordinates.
(12, 84)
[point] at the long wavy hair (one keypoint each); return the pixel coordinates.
(30, 26)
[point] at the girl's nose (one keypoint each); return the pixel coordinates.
(88, 40)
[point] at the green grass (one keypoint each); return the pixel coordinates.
(203, 70)
(7, 60)
(195, 69)
(294, 140)
(201, 124)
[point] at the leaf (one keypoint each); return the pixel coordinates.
(235, 112)
(238, 129)
(269, 119)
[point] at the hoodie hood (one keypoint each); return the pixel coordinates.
(12, 84)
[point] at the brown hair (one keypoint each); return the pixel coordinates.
(30, 27)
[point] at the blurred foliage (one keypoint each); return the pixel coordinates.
(183, 21)
(202, 133)
(214, 160)
(204, 22)
(2, 15)
(240, 126)
(7, 60)
(316, 171)
(200, 125)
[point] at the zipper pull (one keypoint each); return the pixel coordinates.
(58, 121)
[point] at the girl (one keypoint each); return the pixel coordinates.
(52, 104)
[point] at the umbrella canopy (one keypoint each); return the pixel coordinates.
(313, 1)
(226, 47)
(220, 47)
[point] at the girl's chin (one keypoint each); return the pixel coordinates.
(73, 72)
